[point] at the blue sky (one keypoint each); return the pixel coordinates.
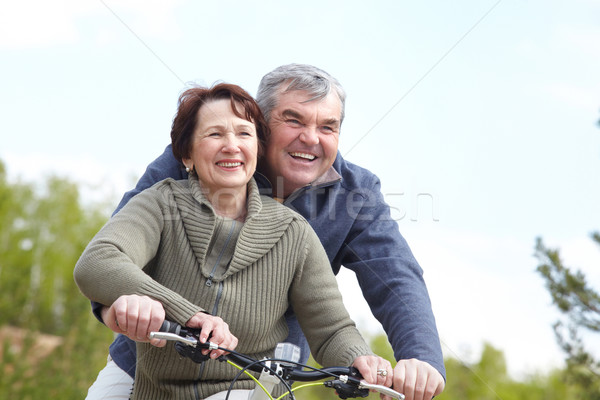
(480, 118)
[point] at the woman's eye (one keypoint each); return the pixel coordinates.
(293, 122)
(214, 134)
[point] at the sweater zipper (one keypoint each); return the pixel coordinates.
(218, 299)
(209, 281)
(213, 312)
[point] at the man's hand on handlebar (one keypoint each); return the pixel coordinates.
(216, 329)
(135, 317)
(417, 380)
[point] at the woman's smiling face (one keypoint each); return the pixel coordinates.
(224, 148)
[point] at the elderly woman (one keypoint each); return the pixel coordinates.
(219, 256)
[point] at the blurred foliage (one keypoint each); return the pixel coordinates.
(488, 379)
(579, 303)
(50, 344)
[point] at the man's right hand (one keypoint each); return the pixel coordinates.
(135, 317)
(417, 379)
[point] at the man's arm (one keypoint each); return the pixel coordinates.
(165, 166)
(392, 284)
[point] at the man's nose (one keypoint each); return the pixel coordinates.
(309, 136)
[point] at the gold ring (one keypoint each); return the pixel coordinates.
(382, 372)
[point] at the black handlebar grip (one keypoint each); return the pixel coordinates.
(354, 373)
(170, 327)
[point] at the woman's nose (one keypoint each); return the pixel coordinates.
(231, 144)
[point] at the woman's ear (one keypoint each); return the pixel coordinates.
(188, 164)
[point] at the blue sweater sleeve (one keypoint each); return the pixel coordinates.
(391, 280)
(165, 166)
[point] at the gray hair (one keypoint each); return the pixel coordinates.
(313, 80)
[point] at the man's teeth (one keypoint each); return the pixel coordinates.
(303, 155)
(229, 164)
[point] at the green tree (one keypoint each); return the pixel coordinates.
(487, 379)
(50, 344)
(579, 303)
(476, 381)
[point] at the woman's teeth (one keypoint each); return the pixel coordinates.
(229, 164)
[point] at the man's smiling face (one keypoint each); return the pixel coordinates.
(304, 140)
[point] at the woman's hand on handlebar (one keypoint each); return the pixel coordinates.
(135, 317)
(375, 370)
(216, 329)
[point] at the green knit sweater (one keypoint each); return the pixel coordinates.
(157, 246)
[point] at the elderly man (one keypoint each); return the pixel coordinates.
(304, 107)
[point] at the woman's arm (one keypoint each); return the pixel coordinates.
(113, 263)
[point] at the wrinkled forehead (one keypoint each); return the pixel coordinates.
(301, 96)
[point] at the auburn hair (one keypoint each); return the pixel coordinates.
(190, 101)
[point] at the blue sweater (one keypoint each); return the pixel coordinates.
(347, 211)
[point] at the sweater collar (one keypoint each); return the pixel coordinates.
(330, 176)
(265, 224)
(253, 202)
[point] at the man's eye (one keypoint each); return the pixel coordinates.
(293, 121)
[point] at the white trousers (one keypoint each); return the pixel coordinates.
(113, 383)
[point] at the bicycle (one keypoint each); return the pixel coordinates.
(283, 368)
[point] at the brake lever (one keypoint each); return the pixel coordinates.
(382, 389)
(173, 337)
(187, 346)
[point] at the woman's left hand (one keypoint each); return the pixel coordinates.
(215, 328)
(375, 370)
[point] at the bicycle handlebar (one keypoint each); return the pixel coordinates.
(347, 383)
